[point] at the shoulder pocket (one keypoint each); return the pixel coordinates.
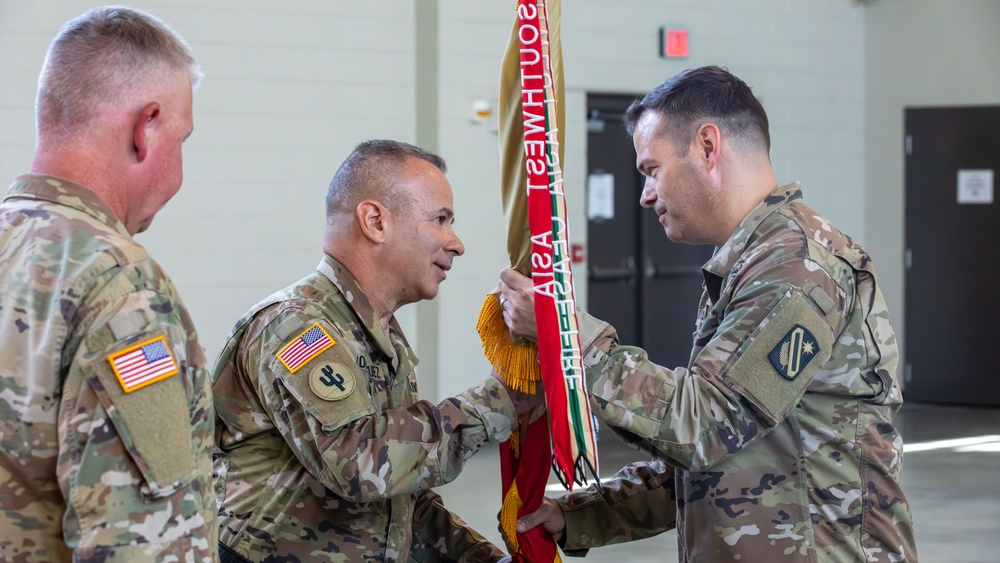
(141, 383)
(782, 356)
(329, 385)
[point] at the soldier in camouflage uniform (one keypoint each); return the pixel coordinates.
(106, 427)
(325, 451)
(776, 442)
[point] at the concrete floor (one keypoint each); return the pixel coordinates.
(951, 475)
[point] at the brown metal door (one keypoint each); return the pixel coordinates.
(638, 280)
(952, 255)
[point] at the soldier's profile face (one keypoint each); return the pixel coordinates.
(424, 243)
(675, 187)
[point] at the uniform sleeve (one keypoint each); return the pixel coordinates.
(135, 451)
(441, 536)
(752, 368)
(326, 415)
(637, 503)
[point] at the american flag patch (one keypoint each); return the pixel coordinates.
(305, 347)
(143, 364)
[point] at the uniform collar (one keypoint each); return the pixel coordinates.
(356, 298)
(43, 187)
(726, 256)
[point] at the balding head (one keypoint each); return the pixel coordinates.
(106, 57)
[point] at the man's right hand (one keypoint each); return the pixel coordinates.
(549, 515)
(523, 402)
(517, 301)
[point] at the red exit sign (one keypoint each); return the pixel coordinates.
(673, 43)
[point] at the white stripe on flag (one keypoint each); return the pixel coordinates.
(158, 367)
(298, 352)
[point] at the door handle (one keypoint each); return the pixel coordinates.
(628, 272)
(652, 271)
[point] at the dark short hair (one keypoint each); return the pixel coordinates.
(370, 172)
(706, 94)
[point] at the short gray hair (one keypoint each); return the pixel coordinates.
(102, 55)
(370, 172)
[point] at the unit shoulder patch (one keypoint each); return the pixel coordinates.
(332, 381)
(794, 352)
(304, 347)
(781, 356)
(143, 364)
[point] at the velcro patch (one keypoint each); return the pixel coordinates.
(794, 352)
(794, 321)
(305, 347)
(125, 325)
(332, 381)
(143, 364)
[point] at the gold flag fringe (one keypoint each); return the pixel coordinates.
(517, 365)
(508, 516)
(512, 500)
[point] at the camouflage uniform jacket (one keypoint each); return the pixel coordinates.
(327, 454)
(100, 459)
(777, 440)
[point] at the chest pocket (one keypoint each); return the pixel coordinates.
(391, 390)
(378, 380)
(705, 329)
(411, 388)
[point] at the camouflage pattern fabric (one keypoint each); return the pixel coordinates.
(776, 440)
(332, 459)
(89, 472)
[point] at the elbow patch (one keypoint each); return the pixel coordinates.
(782, 356)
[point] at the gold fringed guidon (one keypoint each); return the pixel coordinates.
(520, 434)
(508, 516)
(517, 365)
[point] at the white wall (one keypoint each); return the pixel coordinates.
(804, 60)
(289, 91)
(920, 53)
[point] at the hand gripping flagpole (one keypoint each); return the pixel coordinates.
(534, 202)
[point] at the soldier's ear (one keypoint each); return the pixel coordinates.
(142, 129)
(373, 220)
(708, 144)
